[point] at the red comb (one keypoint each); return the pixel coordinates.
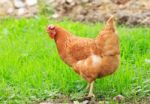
(51, 27)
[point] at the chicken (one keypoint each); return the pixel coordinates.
(90, 58)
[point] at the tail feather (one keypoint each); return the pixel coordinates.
(110, 24)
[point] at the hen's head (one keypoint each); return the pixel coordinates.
(52, 31)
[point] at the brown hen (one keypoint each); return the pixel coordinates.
(90, 58)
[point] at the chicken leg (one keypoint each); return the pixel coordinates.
(88, 86)
(91, 89)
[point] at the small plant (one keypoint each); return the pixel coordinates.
(44, 8)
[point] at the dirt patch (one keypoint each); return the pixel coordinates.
(145, 100)
(85, 100)
(69, 101)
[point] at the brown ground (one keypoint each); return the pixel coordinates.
(67, 100)
(129, 12)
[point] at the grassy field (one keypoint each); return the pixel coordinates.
(31, 70)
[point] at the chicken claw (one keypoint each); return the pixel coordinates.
(91, 95)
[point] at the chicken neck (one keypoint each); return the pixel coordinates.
(61, 37)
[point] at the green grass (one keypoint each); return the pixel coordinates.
(31, 70)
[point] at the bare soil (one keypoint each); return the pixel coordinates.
(68, 100)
